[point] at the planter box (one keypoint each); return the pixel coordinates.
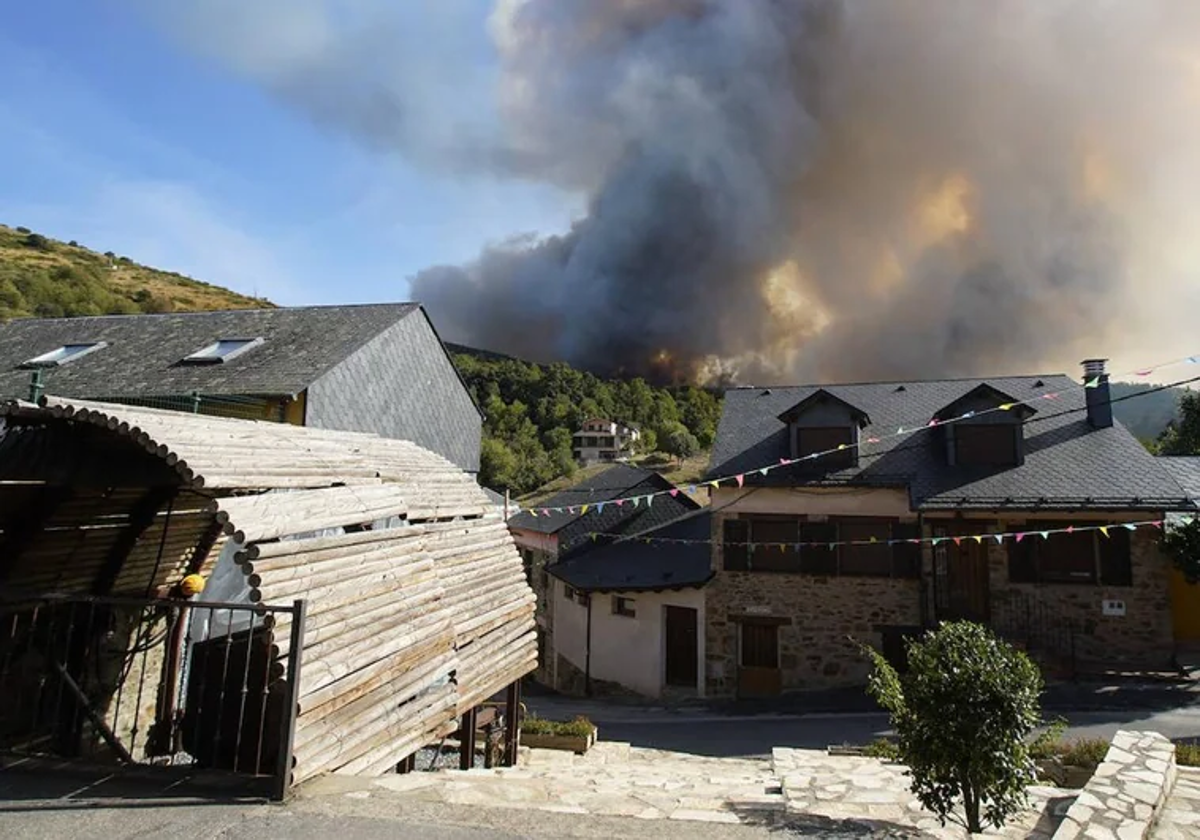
(1063, 775)
(571, 743)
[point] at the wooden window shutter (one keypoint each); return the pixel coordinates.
(906, 556)
(736, 533)
(1116, 559)
(1022, 560)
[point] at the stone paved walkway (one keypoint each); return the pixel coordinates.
(797, 792)
(1180, 817)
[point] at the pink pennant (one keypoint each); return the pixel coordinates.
(958, 540)
(620, 502)
(674, 491)
(1020, 536)
(740, 479)
(872, 440)
(1145, 372)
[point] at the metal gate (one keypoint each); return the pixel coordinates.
(152, 682)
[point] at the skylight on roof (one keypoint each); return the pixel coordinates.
(64, 354)
(222, 350)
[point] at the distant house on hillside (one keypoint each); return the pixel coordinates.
(546, 538)
(603, 441)
(375, 368)
(827, 551)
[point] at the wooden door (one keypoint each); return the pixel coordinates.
(682, 650)
(961, 574)
(1185, 608)
(758, 660)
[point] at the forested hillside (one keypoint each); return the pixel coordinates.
(532, 411)
(1146, 415)
(46, 278)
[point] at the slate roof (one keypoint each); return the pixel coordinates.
(1186, 471)
(143, 352)
(1067, 462)
(617, 482)
(630, 565)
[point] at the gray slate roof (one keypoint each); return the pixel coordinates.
(143, 352)
(632, 566)
(617, 482)
(1066, 460)
(1186, 471)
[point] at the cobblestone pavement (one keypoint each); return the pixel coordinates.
(795, 793)
(1180, 817)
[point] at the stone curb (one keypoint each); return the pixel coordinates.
(1129, 788)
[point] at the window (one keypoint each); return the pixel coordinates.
(870, 555)
(811, 440)
(623, 606)
(985, 444)
(760, 645)
(64, 354)
(568, 592)
(1081, 557)
(222, 350)
(789, 544)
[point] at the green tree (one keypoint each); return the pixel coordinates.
(678, 441)
(1182, 544)
(497, 464)
(1182, 436)
(962, 714)
(647, 441)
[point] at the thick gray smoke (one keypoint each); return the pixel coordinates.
(790, 189)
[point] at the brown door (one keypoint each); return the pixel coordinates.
(961, 574)
(682, 650)
(758, 660)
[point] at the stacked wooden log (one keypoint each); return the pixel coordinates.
(408, 626)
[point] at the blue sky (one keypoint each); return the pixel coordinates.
(114, 133)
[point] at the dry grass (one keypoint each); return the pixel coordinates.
(135, 287)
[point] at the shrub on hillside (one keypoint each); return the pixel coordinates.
(962, 714)
(37, 242)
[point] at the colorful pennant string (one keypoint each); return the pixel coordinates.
(740, 478)
(1000, 537)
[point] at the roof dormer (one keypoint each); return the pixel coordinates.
(988, 428)
(825, 425)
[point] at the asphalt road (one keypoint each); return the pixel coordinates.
(748, 735)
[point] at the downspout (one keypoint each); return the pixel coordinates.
(922, 577)
(587, 655)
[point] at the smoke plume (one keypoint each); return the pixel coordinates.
(797, 189)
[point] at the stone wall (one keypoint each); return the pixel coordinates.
(1140, 639)
(1129, 787)
(822, 620)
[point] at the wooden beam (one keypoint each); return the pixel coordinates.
(140, 518)
(466, 734)
(512, 723)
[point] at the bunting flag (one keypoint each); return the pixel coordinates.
(740, 478)
(1000, 538)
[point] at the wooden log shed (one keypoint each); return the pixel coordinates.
(408, 628)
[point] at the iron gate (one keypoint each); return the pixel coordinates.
(155, 682)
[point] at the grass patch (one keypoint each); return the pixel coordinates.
(883, 748)
(1086, 752)
(580, 727)
(1187, 754)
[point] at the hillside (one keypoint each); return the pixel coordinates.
(1146, 415)
(532, 411)
(43, 277)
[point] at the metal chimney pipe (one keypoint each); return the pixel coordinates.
(1096, 390)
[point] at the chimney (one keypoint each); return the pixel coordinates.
(1099, 399)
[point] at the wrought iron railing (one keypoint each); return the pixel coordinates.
(157, 682)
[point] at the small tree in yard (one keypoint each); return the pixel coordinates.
(962, 715)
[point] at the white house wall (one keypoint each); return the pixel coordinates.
(627, 651)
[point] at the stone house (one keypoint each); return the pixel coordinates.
(790, 600)
(375, 368)
(561, 527)
(601, 441)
